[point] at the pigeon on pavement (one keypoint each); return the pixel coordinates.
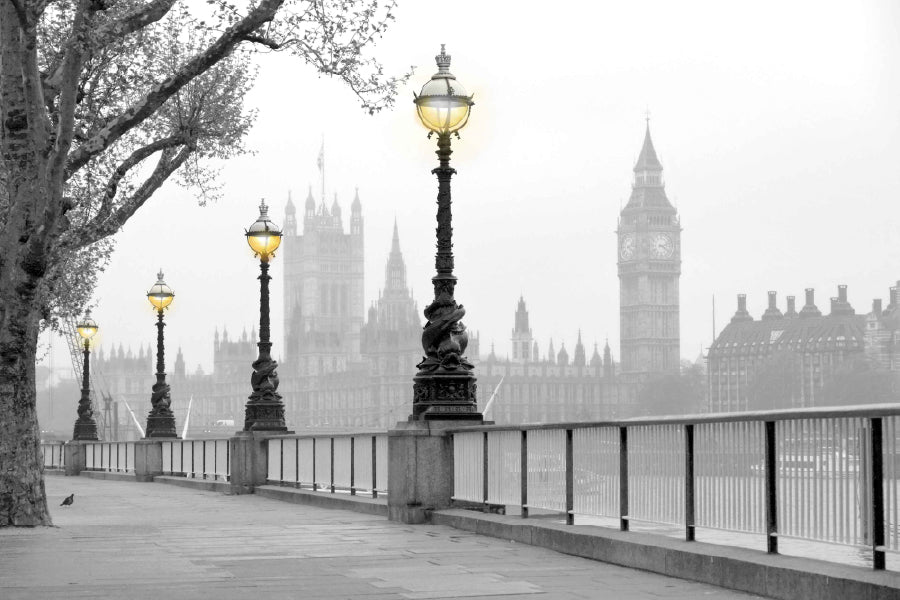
(68, 501)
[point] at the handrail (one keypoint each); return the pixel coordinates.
(865, 411)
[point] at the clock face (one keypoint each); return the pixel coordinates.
(626, 249)
(662, 246)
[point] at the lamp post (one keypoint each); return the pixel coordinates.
(444, 387)
(161, 420)
(264, 410)
(85, 425)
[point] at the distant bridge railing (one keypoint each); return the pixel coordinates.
(197, 459)
(54, 455)
(113, 457)
(823, 475)
(354, 463)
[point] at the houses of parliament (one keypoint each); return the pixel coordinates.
(348, 365)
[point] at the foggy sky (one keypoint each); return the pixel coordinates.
(777, 125)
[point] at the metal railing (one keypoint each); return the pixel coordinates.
(197, 459)
(354, 463)
(114, 457)
(822, 475)
(54, 455)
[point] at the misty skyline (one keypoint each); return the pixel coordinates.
(776, 126)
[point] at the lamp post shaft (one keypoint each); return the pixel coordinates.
(264, 345)
(444, 387)
(443, 260)
(161, 420)
(85, 425)
(264, 410)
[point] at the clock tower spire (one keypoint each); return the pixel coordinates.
(649, 237)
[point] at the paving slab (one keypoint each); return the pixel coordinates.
(123, 539)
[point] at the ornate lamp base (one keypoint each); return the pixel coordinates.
(161, 426)
(449, 397)
(264, 416)
(85, 430)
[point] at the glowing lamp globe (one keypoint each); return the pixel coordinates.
(87, 327)
(443, 104)
(264, 236)
(160, 295)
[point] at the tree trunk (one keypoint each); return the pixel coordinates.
(23, 501)
(23, 264)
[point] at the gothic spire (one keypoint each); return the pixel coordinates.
(395, 242)
(647, 161)
(579, 360)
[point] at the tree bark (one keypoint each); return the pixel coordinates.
(23, 500)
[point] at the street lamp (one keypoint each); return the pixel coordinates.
(264, 410)
(444, 387)
(161, 420)
(85, 425)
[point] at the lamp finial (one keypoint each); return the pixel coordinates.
(443, 61)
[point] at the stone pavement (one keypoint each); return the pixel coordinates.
(143, 540)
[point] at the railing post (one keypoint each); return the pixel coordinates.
(524, 474)
(332, 465)
(374, 467)
(689, 504)
(570, 479)
(771, 492)
(352, 466)
(623, 478)
(484, 479)
(314, 484)
(877, 495)
(280, 461)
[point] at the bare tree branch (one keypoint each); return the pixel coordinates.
(168, 163)
(118, 29)
(134, 115)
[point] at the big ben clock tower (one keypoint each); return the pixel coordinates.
(649, 237)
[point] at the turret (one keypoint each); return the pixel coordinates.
(578, 359)
(551, 353)
(336, 212)
(609, 367)
(179, 365)
(290, 216)
(596, 361)
(309, 214)
(356, 220)
(562, 359)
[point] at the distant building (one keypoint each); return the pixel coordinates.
(345, 367)
(323, 287)
(787, 360)
(649, 264)
(527, 389)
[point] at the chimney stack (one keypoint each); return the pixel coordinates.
(876, 307)
(839, 305)
(791, 307)
(741, 314)
(810, 309)
(772, 312)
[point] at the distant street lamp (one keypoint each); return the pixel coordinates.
(444, 387)
(85, 425)
(264, 410)
(161, 420)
